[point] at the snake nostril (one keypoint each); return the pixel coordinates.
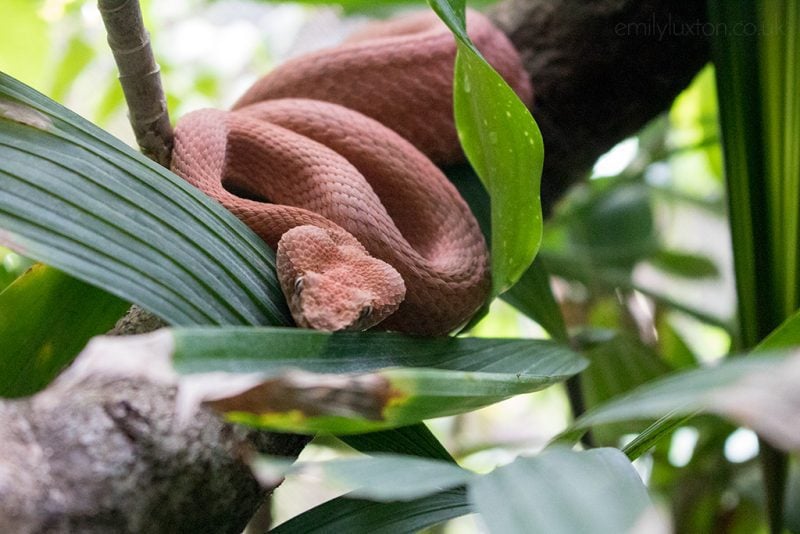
(366, 311)
(298, 285)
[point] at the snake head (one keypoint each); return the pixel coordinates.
(331, 283)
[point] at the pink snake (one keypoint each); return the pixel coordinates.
(329, 159)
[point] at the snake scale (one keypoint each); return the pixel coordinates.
(332, 159)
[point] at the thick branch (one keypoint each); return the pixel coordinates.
(140, 78)
(101, 452)
(600, 71)
(107, 455)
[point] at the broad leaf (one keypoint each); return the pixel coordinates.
(270, 350)
(46, 317)
(557, 491)
(606, 225)
(561, 491)
(504, 145)
(74, 197)
(531, 295)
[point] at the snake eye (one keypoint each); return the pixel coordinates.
(298, 285)
(366, 311)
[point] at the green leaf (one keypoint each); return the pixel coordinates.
(270, 350)
(573, 266)
(533, 296)
(617, 366)
(504, 145)
(386, 477)
(354, 515)
(654, 433)
(672, 347)
(74, 197)
(557, 491)
(400, 380)
(610, 226)
(46, 317)
(416, 440)
(757, 76)
(758, 392)
(561, 491)
(757, 73)
(12, 265)
(785, 336)
(684, 264)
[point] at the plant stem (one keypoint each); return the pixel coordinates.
(774, 469)
(578, 406)
(140, 78)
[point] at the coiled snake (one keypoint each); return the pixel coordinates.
(329, 159)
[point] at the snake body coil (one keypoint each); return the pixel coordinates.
(329, 159)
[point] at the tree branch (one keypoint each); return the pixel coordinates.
(140, 78)
(600, 71)
(106, 454)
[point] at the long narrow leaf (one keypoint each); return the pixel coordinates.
(760, 393)
(785, 336)
(757, 76)
(307, 381)
(383, 477)
(561, 491)
(76, 198)
(355, 515)
(416, 440)
(270, 350)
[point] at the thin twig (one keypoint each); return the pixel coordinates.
(139, 76)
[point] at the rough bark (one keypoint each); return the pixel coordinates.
(105, 454)
(600, 71)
